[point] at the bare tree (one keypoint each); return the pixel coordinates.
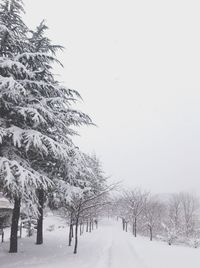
(182, 217)
(175, 210)
(190, 205)
(135, 201)
(153, 214)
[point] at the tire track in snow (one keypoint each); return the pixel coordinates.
(119, 250)
(105, 255)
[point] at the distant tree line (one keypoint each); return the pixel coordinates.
(174, 218)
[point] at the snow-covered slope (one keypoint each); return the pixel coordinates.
(106, 247)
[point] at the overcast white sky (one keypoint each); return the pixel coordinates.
(137, 66)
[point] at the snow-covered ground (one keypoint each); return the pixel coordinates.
(106, 247)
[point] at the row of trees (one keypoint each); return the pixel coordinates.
(39, 162)
(174, 217)
(82, 202)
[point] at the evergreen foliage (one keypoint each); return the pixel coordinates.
(37, 117)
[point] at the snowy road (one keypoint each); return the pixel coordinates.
(107, 247)
(118, 249)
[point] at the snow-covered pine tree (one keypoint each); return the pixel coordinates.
(12, 28)
(61, 103)
(17, 178)
(35, 115)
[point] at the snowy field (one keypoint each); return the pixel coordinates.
(106, 247)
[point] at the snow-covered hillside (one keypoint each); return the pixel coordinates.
(106, 247)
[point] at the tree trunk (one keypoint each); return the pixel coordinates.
(39, 239)
(2, 235)
(135, 227)
(151, 233)
(72, 230)
(76, 237)
(87, 226)
(14, 226)
(20, 230)
(126, 226)
(29, 228)
(123, 224)
(90, 226)
(70, 234)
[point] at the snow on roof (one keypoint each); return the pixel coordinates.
(4, 202)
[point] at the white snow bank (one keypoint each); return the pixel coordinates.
(106, 247)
